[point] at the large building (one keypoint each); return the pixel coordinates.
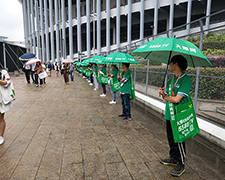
(77, 29)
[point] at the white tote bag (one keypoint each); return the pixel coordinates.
(8, 93)
(43, 75)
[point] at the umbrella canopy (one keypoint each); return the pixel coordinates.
(27, 57)
(97, 59)
(32, 61)
(163, 49)
(120, 57)
(67, 61)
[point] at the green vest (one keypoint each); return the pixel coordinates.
(126, 88)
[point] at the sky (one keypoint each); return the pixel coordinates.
(11, 20)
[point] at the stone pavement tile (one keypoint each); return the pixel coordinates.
(96, 121)
(145, 176)
(8, 165)
(95, 170)
(118, 171)
(159, 170)
(24, 173)
(72, 171)
(50, 166)
(137, 166)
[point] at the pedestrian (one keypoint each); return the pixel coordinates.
(95, 74)
(27, 72)
(61, 68)
(181, 86)
(113, 75)
(125, 91)
(5, 82)
(33, 72)
(66, 71)
(38, 69)
(44, 69)
(71, 71)
(102, 71)
(91, 67)
(57, 68)
(49, 66)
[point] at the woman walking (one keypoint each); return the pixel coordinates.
(66, 72)
(38, 69)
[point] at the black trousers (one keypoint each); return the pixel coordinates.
(177, 150)
(92, 79)
(27, 74)
(104, 88)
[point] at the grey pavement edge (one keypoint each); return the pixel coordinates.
(61, 131)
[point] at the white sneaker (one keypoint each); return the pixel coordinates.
(89, 81)
(103, 95)
(95, 89)
(112, 102)
(2, 140)
(90, 84)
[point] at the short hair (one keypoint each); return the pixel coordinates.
(180, 60)
(127, 64)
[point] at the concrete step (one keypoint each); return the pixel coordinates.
(214, 117)
(220, 110)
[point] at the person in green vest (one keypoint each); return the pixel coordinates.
(103, 72)
(125, 91)
(181, 86)
(95, 71)
(113, 75)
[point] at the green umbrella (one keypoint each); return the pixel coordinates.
(163, 49)
(97, 59)
(120, 57)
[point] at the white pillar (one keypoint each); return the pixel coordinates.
(118, 25)
(52, 31)
(171, 17)
(129, 23)
(79, 48)
(25, 23)
(189, 16)
(70, 28)
(29, 27)
(63, 49)
(155, 28)
(88, 30)
(46, 30)
(108, 26)
(38, 30)
(98, 27)
(142, 21)
(208, 12)
(42, 32)
(33, 26)
(57, 30)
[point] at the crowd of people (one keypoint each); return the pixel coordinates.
(33, 71)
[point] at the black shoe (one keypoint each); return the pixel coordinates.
(127, 118)
(179, 170)
(121, 115)
(169, 162)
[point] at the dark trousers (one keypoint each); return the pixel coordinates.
(27, 74)
(125, 101)
(177, 150)
(32, 76)
(104, 88)
(36, 79)
(92, 79)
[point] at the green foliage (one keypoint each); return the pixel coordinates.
(209, 87)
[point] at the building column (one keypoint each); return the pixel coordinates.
(38, 30)
(129, 23)
(52, 31)
(118, 25)
(42, 32)
(46, 30)
(108, 26)
(79, 46)
(171, 18)
(208, 12)
(63, 48)
(29, 27)
(98, 27)
(25, 23)
(155, 28)
(33, 26)
(70, 28)
(142, 21)
(189, 16)
(57, 30)
(88, 30)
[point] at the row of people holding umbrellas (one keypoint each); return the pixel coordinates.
(177, 54)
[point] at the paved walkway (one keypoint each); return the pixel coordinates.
(64, 132)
